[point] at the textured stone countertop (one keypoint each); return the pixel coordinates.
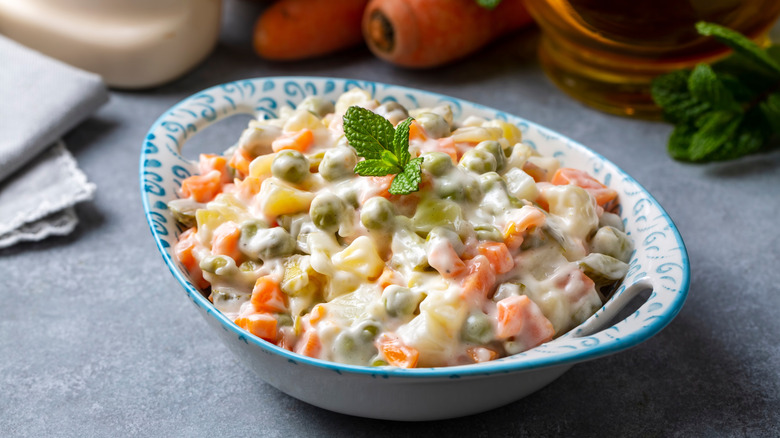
(98, 339)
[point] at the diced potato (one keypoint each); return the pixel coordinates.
(360, 257)
(279, 199)
(575, 208)
(355, 96)
(475, 134)
(260, 167)
(509, 131)
(302, 119)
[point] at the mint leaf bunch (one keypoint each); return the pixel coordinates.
(488, 4)
(727, 110)
(385, 149)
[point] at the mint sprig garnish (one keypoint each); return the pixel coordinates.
(385, 149)
(488, 4)
(727, 110)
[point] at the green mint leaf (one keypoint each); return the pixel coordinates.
(401, 142)
(706, 86)
(770, 109)
(374, 168)
(740, 44)
(715, 129)
(408, 181)
(368, 133)
(488, 4)
(670, 92)
(680, 141)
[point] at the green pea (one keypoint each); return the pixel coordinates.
(317, 106)
(478, 161)
(392, 111)
(338, 163)
(399, 301)
(494, 148)
(477, 329)
(251, 227)
(449, 235)
(377, 362)
(491, 180)
(435, 212)
(183, 211)
(326, 211)
(248, 266)
(214, 262)
(378, 214)
(437, 163)
(435, 125)
(273, 243)
(602, 269)
(353, 348)
(290, 166)
(284, 319)
(612, 242)
(488, 232)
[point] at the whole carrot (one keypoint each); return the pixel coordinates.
(428, 33)
(299, 29)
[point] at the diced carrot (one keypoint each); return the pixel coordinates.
(183, 252)
(202, 188)
(259, 324)
(249, 187)
(417, 132)
(568, 175)
(521, 318)
(224, 241)
(389, 276)
(447, 145)
(267, 296)
(481, 354)
(396, 353)
(317, 313)
(310, 344)
(525, 218)
(479, 278)
(299, 141)
(575, 284)
(377, 186)
(443, 258)
(240, 161)
(539, 174)
(498, 255)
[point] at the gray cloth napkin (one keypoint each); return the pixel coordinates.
(40, 100)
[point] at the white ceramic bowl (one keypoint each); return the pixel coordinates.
(659, 263)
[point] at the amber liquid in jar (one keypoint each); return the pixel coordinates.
(605, 53)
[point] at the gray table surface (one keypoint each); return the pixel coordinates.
(98, 339)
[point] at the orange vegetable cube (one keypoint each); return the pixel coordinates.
(224, 241)
(396, 353)
(479, 278)
(568, 175)
(202, 188)
(481, 354)
(498, 255)
(183, 253)
(300, 141)
(240, 161)
(259, 324)
(521, 318)
(267, 296)
(310, 344)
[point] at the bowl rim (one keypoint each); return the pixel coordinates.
(500, 366)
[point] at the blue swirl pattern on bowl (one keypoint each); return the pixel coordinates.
(659, 261)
